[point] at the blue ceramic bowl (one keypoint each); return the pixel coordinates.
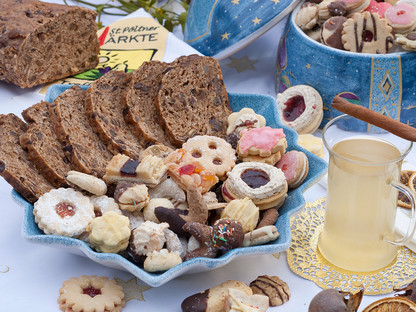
(219, 28)
(264, 105)
(384, 83)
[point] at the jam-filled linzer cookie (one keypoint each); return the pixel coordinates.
(300, 108)
(367, 33)
(264, 184)
(91, 293)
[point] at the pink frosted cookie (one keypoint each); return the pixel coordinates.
(295, 167)
(378, 7)
(263, 144)
(300, 108)
(402, 17)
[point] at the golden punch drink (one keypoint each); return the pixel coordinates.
(361, 205)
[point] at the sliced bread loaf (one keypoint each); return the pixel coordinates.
(192, 99)
(105, 112)
(15, 166)
(43, 147)
(84, 149)
(139, 101)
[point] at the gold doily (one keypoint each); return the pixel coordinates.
(305, 260)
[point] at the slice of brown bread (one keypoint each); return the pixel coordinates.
(84, 149)
(105, 111)
(42, 42)
(139, 101)
(15, 166)
(43, 147)
(192, 99)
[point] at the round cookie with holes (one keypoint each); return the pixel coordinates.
(214, 153)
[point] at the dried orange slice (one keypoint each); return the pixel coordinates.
(396, 304)
(402, 200)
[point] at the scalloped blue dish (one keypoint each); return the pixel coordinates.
(262, 104)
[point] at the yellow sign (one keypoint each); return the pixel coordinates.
(125, 46)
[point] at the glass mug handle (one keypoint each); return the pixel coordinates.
(412, 224)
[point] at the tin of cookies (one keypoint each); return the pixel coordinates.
(367, 33)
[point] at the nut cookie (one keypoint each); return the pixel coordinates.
(367, 33)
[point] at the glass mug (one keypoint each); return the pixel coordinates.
(363, 173)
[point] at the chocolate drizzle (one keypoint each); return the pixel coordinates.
(129, 168)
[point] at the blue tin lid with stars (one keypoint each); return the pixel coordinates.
(218, 28)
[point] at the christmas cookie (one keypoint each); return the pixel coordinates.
(264, 184)
(162, 260)
(110, 232)
(300, 108)
(402, 17)
(407, 41)
(103, 203)
(378, 7)
(307, 16)
(203, 234)
(367, 33)
(87, 182)
(246, 118)
(185, 170)
(273, 287)
(213, 153)
(331, 32)
(237, 301)
(131, 196)
(243, 210)
(227, 234)
(261, 236)
(91, 293)
(295, 166)
(63, 212)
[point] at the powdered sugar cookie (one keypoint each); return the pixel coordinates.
(367, 33)
(87, 182)
(246, 118)
(103, 203)
(63, 212)
(402, 17)
(110, 232)
(162, 260)
(407, 41)
(300, 108)
(295, 166)
(91, 293)
(238, 300)
(213, 153)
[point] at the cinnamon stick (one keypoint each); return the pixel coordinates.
(396, 127)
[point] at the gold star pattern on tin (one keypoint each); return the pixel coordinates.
(308, 66)
(275, 1)
(242, 64)
(225, 36)
(235, 1)
(132, 290)
(256, 21)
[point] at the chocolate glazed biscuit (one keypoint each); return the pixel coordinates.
(331, 32)
(272, 287)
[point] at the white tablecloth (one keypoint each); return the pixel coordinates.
(31, 275)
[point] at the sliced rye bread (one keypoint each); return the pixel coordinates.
(192, 99)
(43, 147)
(105, 113)
(86, 152)
(139, 101)
(15, 166)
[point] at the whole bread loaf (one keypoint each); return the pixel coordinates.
(105, 111)
(192, 99)
(139, 100)
(15, 166)
(83, 147)
(42, 42)
(43, 148)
